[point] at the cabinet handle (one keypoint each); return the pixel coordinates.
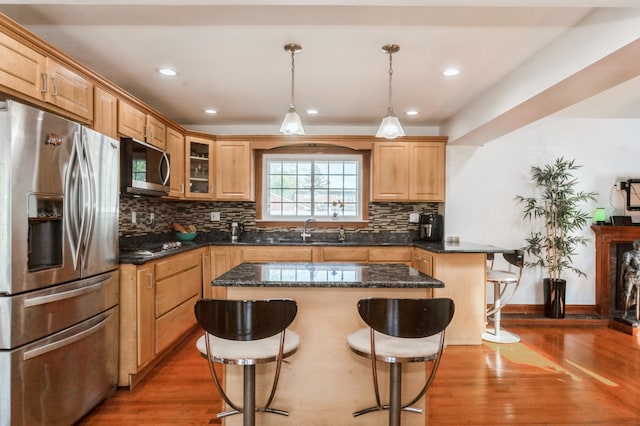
(45, 82)
(182, 188)
(55, 86)
(150, 281)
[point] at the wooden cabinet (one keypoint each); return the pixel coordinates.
(175, 149)
(68, 90)
(464, 276)
(220, 261)
(408, 171)
(199, 165)
(234, 171)
(156, 310)
(389, 255)
(138, 125)
(105, 113)
(21, 68)
(345, 254)
(274, 254)
(26, 72)
(145, 318)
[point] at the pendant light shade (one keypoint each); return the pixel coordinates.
(390, 128)
(291, 125)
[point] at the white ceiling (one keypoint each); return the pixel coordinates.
(229, 56)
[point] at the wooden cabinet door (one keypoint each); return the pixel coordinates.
(145, 314)
(220, 258)
(131, 121)
(345, 254)
(69, 91)
(390, 172)
(422, 261)
(199, 164)
(234, 171)
(426, 171)
(21, 68)
(175, 148)
(105, 113)
(156, 133)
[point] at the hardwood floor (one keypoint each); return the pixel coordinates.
(555, 376)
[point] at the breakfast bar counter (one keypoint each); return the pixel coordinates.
(324, 382)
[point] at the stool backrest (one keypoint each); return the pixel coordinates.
(245, 320)
(407, 318)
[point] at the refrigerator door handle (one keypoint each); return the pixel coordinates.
(42, 300)
(89, 198)
(71, 199)
(164, 163)
(41, 350)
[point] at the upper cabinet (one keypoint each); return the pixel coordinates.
(199, 164)
(136, 124)
(175, 149)
(408, 171)
(234, 171)
(26, 72)
(21, 68)
(105, 113)
(67, 90)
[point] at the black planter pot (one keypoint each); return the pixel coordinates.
(554, 294)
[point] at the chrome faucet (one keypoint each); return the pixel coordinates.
(305, 234)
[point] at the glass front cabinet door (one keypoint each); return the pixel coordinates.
(199, 163)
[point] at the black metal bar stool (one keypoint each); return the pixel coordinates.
(247, 332)
(401, 330)
(505, 283)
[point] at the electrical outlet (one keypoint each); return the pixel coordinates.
(133, 217)
(215, 216)
(414, 217)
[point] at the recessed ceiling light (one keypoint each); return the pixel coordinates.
(167, 72)
(210, 111)
(412, 112)
(312, 111)
(451, 72)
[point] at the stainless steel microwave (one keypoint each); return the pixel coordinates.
(144, 169)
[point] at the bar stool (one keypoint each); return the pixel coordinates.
(401, 330)
(505, 283)
(247, 332)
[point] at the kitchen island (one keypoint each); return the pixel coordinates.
(324, 382)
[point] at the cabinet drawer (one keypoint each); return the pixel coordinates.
(172, 291)
(423, 262)
(277, 254)
(175, 324)
(390, 254)
(344, 254)
(177, 264)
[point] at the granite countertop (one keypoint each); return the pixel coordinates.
(322, 275)
(142, 254)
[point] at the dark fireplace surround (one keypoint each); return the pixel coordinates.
(611, 243)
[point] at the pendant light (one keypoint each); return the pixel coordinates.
(390, 127)
(291, 124)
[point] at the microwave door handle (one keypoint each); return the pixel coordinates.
(165, 161)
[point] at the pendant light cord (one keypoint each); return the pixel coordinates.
(390, 76)
(293, 66)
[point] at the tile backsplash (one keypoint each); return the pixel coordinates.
(383, 217)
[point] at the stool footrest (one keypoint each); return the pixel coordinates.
(385, 407)
(268, 410)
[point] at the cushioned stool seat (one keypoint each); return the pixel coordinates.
(247, 332)
(401, 330)
(505, 283)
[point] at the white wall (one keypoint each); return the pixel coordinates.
(483, 181)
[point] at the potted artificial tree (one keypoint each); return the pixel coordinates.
(556, 208)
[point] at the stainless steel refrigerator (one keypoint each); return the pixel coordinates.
(59, 283)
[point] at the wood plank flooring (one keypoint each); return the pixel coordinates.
(556, 375)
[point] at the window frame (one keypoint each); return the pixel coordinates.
(260, 186)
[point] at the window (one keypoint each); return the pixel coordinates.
(325, 186)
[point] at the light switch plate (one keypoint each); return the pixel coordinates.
(414, 217)
(215, 216)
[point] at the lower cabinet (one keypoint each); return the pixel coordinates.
(156, 309)
(464, 275)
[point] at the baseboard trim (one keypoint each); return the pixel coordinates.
(539, 309)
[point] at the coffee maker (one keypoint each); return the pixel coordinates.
(431, 227)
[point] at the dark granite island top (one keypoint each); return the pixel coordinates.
(323, 275)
